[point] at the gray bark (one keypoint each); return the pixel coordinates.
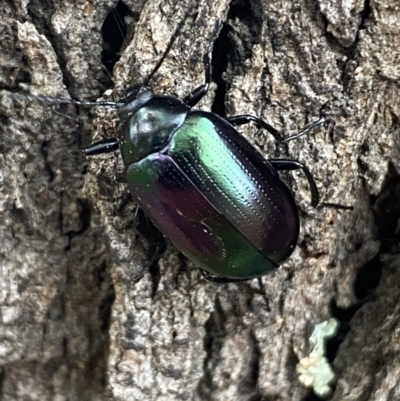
(75, 326)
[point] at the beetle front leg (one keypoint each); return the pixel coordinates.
(195, 97)
(288, 164)
(104, 146)
(107, 145)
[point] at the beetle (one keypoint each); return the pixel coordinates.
(202, 184)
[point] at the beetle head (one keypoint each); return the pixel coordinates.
(148, 123)
(134, 98)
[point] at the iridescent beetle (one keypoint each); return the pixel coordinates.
(202, 184)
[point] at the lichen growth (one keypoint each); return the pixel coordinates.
(314, 371)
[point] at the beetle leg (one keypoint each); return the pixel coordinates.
(155, 239)
(334, 206)
(221, 280)
(288, 164)
(104, 146)
(247, 118)
(306, 130)
(195, 97)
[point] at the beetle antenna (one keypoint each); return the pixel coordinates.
(23, 97)
(168, 49)
(113, 32)
(120, 23)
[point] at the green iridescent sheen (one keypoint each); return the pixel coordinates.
(211, 241)
(208, 189)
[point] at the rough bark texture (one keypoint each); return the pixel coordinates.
(75, 326)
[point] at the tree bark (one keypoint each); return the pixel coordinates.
(74, 324)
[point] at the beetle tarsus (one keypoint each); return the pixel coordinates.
(334, 206)
(306, 130)
(220, 280)
(107, 145)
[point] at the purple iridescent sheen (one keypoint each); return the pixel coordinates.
(208, 190)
